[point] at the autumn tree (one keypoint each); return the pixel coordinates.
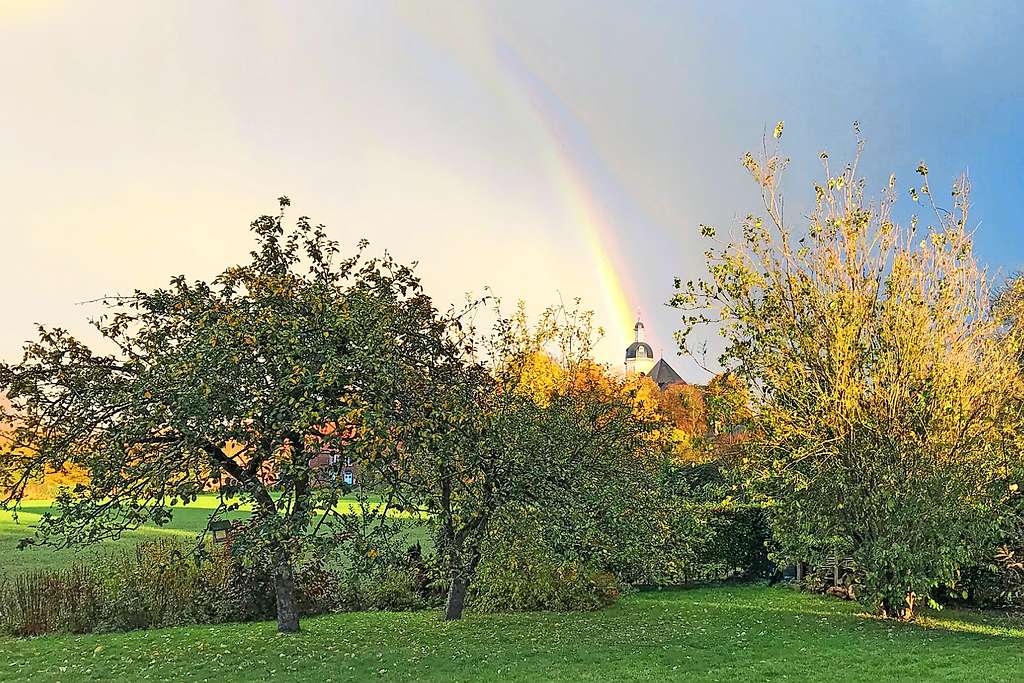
(876, 374)
(241, 379)
(498, 424)
(1008, 308)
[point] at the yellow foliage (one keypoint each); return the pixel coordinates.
(540, 378)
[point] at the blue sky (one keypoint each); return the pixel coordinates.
(545, 149)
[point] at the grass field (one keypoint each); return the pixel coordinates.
(749, 633)
(187, 522)
(708, 634)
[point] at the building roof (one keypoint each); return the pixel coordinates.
(663, 374)
(631, 350)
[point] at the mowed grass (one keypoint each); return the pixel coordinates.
(747, 633)
(186, 523)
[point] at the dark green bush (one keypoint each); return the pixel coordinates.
(737, 545)
(995, 584)
(248, 593)
(150, 586)
(159, 583)
(519, 572)
(68, 599)
(701, 542)
(395, 589)
(696, 533)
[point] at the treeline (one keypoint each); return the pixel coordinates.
(544, 479)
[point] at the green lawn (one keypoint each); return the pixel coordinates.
(187, 522)
(732, 634)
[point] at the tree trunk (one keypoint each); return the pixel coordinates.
(904, 612)
(287, 605)
(908, 612)
(456, 597)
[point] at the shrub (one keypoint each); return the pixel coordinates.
(1010, 564)
(394, 589)
(67, 599)
(373, 565)
(700, 542)
(697, 533)
(249, 595)
(156, 584)
(737, 544)
(519, 572)
(149, 586)
(388, 583)
(997, 584)
(159, 583)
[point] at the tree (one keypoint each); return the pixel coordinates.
(876, 375)
(242, 379)
(497, 423)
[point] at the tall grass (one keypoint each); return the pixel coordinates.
(166, 583)
(66, 599)
(155, 584)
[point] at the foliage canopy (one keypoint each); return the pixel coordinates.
(877, 374)
(235, 383)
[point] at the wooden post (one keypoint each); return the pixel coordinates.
(799, 571)
(835, 571)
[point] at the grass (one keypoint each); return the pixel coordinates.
(709, 634)
(187, 522)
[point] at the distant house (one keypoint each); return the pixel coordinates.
(330, 464)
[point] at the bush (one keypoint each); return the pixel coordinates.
(39, 602)
(157, 584)
(519, 572)
(373, 565)
(395, 589)
(150, 586)
(737, 544)
(997, 584)
(696, 532)
(386, 582)
(248, 594)
(701, 542)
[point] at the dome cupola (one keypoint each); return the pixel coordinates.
(639, 354)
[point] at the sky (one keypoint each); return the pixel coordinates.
(545, 149)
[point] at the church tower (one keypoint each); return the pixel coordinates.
(639, 356)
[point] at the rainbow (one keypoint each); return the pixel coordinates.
(579, 174)
(595, 200)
